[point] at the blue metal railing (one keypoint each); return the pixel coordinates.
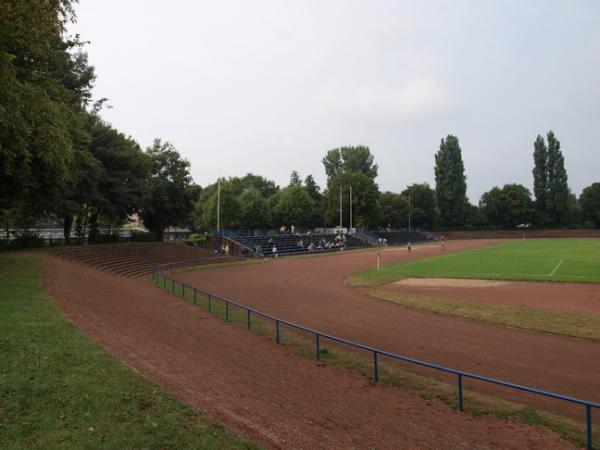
(158, 272)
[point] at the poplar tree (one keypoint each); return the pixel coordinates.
(540, 174)
(558, 189)
(550, 182)
(450, 183)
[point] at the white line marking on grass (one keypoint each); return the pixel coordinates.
(556, 268)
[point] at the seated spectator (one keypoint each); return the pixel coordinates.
(311, 247)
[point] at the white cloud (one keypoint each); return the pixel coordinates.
(419, 98)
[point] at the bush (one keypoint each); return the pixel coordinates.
(140, 236)
(26, 239)
(194, 239)
(111, 238)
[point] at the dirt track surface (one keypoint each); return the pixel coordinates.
(257, 388)
(311, 291)
(580, 298)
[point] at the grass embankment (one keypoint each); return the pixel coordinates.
(569, 260)
(390, 373)
(547, 321)
(59, 389)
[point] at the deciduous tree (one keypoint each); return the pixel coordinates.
(508, 207)
(423, 209)
(169, 189)
(254, 210)
(365, 198)
(350, 159)
(590, 204)
(393, 210)
(294, 206)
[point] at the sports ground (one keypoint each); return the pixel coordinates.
(278, 398)
(571, 260)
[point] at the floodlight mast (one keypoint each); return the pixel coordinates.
(409, 211)
(350, 208)
(218, 204)
(340, 207)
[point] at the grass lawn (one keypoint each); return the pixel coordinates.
(555, 322)
(59, 389)
(571, 260)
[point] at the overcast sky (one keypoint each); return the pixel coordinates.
(269, 86)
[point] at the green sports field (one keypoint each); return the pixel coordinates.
(537, 260)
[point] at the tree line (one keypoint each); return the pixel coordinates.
(60, 162)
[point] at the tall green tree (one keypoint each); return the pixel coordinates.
(590, 204)
(295, 179)
(365, 200)
(223, 201)
(267, 188)
(422, 206)
(294, 206)
(558, 200)
(450, 183)
(122, 180)
(350, 159)
(540, 174)
(393, 210)
(254, 210)
(169, 189)
(553, 198)
(44, 86)
(314, 191)
(508, 207)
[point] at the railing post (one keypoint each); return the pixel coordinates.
(588, 421)
(461, 403)
(172, 286)
(277, 331)
(375, 368)
(183, 290)
(209, 303)
(195, 296)
(164, 282)
(248, 318)
(226, 311)
(318, 346)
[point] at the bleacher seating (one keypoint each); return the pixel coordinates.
(136, 259)
(287, 244)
